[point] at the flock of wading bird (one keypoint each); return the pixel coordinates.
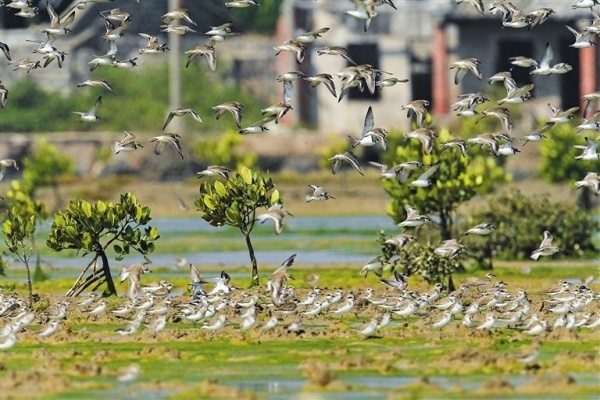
(481, 303)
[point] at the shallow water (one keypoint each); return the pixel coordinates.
(366, 387)
(299, 231)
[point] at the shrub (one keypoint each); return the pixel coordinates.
(420, 259)
(521, 220)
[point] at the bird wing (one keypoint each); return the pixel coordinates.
(286, 264)
(369, 121)
(195, 275)
(460, 74)
(548, 56)
(429, 172)
(288, 89)
(169, 118)
(547, 242)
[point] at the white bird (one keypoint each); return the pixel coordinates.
(464, 66)
(413, 218)
(318, 307)
(276, 213)
(346, 308)
(368, 328)
(363, 11)
(546, 248)
(423, 180)
(98, 309)
(278, 279)
(221, 284)
(247, 322)
(375, 265)
(445, 320)
(218, 324)
(590, 151)
(50, 330)
(179, 112)
(167, 139)
(489, 322)
(347, 157)
(133, 273)
(157, 324)
(481, 229)
(90, 116)
(537, 328)
(270, 324)
(10, 341)
(583, 40)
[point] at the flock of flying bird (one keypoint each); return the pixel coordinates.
(215, 308)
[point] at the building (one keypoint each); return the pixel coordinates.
(418, 41)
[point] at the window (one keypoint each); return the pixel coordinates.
(367, 53)
(514, 48)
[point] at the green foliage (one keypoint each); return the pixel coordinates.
(20, 200)
(222, 151)
(19, 226)
(262, 20)
(417, 259)
(558, 156)
(44, 167)
(457, 180)
(32, 109)
(335, 146)
(145, 97)
(235, 202)
(84, 226)
(521, 220)
(19, 229)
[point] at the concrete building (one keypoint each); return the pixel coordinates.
(418, 41)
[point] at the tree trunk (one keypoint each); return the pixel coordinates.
(79, 286)
(254, 279)
(445, 224)
(584, 200)
(110, 285)
(29, 286)
(57, 198)
(451, 286)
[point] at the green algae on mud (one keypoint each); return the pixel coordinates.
(405, 360)
(175, 367)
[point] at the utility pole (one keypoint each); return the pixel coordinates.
(174, 74)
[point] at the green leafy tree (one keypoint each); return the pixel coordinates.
(235, 202)
(558, 163)
(22, 218)
(457, 180)
(44, 168)
(92, 228)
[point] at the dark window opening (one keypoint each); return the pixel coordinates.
(364, 54)
(569, 82)
(421, 78)
(515, 48)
